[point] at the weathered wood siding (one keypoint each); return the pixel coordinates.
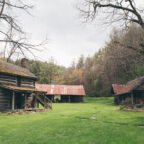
(17, 81)
(6, 95)
(5, 99)
(27, 83)
(7, 79)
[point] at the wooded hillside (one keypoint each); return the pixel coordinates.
(120, 60)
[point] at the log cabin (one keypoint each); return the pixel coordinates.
(17, 88)
(63, 93)
(131, 93)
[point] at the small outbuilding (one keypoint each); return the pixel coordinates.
(130, 93)
(63, 93)
(17, 88)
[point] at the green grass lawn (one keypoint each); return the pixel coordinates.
(97, 121)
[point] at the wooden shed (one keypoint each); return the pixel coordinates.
(130, 93)
(17, 88)
(66, 93)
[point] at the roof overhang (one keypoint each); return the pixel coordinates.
(21, 89)
(19, 75)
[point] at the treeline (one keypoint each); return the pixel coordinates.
(121, 60)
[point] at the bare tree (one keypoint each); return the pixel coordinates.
(122, 11)
(12, 37)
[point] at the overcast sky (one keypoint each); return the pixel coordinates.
(68, 37)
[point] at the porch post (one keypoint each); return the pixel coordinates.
(53, 98)
(132, 97)
(25, 101)
(69, 100)
(37, 103)
(13, 101)
(118, 99)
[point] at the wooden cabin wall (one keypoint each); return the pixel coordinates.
(8, 79)
(116, 100)
(5, 99)
(17, 81)
(125, 99)
(29, 83)
(139, 97)
(19, 100)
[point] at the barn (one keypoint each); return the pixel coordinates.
(17, 88)
(63, 93)
(130, 93)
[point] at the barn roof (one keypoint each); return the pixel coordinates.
(129, 86)
(61, 89)
(15, 70)
(116, 88)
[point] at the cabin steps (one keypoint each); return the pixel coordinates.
(44, 101)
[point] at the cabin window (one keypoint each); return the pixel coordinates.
(19, 82)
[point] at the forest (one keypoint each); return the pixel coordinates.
(120, 60)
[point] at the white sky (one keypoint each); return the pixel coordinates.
(68, 37)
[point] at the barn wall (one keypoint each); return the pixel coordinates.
(64, 98)
(139, 97)
(126, 99)
(123, 99)
(5, 99)
(76, 99)
(73, 99)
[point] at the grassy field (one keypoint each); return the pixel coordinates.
(97, 121)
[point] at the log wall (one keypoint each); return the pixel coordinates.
(17, 81)
(5, 99)
(27, 83)
(7, 79)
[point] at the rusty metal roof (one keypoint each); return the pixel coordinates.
(128, 87)
(15, 70)
(116, 88)
(61, 89)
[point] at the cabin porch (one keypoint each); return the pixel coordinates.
(12, 99)
(135, 97)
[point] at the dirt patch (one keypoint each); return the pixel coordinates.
(131, 108)
(22, 112)
(93, 116)
(141, 126)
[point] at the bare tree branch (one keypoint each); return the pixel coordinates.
(12, 35)
(119, 10)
